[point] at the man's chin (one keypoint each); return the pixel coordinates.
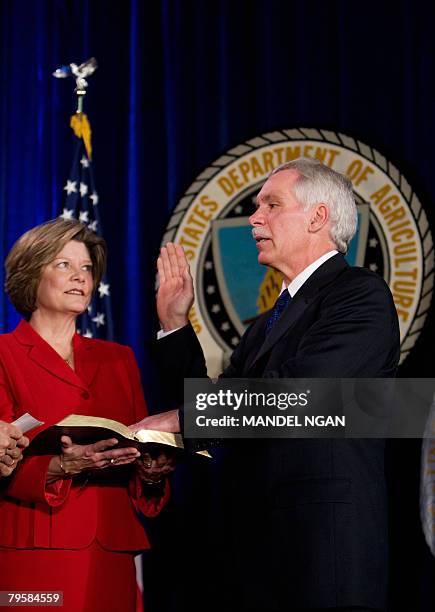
(263, 259)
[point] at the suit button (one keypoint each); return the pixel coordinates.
(85, 394)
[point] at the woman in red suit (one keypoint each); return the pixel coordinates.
(69, 522)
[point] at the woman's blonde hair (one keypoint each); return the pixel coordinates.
(37, 248)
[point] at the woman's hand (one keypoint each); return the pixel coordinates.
(154, 470)
(77, 458)
(12, 443)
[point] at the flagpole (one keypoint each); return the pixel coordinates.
(82, 199)
(80, 96)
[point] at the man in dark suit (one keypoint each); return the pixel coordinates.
(309, 515)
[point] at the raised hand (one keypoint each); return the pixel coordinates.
(175, 295)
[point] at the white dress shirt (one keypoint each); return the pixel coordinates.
(303, 276)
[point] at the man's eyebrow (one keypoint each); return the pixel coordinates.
(267, 198)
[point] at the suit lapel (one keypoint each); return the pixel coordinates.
(288, 319)
(295, 309)
(41, 353)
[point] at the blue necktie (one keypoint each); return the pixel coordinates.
(277, 310)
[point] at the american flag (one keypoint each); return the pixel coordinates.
(82, 203)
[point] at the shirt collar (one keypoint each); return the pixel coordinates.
(303, 276)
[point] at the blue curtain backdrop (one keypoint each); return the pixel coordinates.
(179, 83)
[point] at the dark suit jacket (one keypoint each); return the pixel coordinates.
(65, 514)
(309, 516)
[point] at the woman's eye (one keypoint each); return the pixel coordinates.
(62, 264)
(87, 268)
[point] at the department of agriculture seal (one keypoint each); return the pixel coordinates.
(232, 289)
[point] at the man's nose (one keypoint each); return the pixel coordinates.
(257, 218)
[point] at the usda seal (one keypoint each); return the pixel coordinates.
(232, 289)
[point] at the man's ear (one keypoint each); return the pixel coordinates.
(319, 218)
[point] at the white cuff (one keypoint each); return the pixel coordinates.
(162, 333)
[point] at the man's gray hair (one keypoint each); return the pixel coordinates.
(319, 184)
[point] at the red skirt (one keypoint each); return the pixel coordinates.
(91, 579)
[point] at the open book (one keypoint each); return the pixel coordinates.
(89, 429)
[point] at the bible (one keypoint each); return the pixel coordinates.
(90, 429)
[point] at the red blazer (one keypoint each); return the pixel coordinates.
(66, 514)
